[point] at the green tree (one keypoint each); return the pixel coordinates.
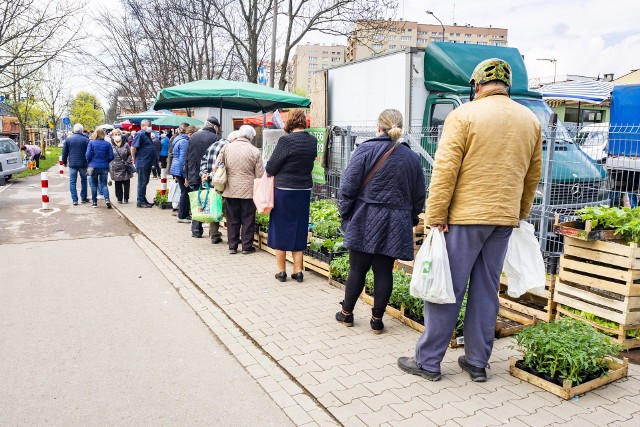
(86, 110)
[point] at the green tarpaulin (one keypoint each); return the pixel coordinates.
(227, 94)
(145, 115)
(175, 121)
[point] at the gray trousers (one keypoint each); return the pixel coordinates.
(476, 255)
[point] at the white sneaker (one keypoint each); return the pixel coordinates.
(184, 221)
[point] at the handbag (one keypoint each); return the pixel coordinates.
(201, 206)
(128, 165)
(219, 179)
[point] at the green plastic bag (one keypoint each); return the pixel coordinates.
(201, 202)
(216, 207)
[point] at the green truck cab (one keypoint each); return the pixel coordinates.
(576, 180)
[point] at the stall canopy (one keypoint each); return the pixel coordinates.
(257, 120)
(174, 121)
(227, 94)
(149, 115)
(588, 91)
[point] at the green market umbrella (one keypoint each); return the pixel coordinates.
(229, 94)
(145, 115)
(105, 126)
(175, 121)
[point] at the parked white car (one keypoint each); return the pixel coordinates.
(593, 139)
(10, 158)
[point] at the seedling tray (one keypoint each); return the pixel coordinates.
(571, 229)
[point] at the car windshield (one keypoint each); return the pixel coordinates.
(8, 146)
(543, 113)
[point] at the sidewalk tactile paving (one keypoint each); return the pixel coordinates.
(347, 372)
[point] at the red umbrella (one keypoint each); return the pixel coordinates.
(257, 120)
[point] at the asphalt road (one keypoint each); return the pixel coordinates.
(92, 334)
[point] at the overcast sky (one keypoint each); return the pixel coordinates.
(587, 37)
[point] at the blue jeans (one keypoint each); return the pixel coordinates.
(144, 173)
(99, 183)
(83, 183)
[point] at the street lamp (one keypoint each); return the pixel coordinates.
(441, 24)
(555, 62)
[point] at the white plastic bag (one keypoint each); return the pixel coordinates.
(174, 193)
(431, 279)
(523, 264)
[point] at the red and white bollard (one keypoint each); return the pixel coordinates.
(61, 167)
(163, 181)
(44, 183)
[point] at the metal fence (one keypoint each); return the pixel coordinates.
(577, 172)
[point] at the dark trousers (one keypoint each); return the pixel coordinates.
(163, 162)
(144, 173)
(183, 205)
(359, 265)
(476, 256)
(241, 220)
(122, 189)
(36, 159)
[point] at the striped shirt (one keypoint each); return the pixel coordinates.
(209, 158)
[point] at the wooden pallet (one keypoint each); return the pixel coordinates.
(617, 370)
(316, 265)
(602, 278)
(505, 329)
(618, 335)
(524, 309)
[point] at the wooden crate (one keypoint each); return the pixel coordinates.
(570, 229)
(602, 278)
(505, 329)
(316, 265)
(530, 306)
(617, 370)
(618, 335)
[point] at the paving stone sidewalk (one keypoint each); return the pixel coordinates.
(349, 371)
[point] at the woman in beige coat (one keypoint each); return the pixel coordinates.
(244, 164)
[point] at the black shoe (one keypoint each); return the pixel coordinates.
(298, 276)
(408, 365)
(145, 205)
(282, 276)
(248, 251)
(84, 201)
(233, 251)
(126, 201)
(119, 202)
(75, 203)
(216, 240)
(196, 236)
(344, 317)
(376, 325)
(108, 202)
(94, 205)
(478, 375)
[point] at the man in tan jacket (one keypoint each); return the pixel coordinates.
(487, 167)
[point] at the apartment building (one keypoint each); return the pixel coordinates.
(369, 39)
(310, 58)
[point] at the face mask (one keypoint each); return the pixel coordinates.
(117, 138)
(149, 129)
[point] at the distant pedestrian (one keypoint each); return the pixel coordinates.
(157, 146)
(144, 157)
(119, 167)
(132, 136)
(99, 155)
(181, 129)
(207, 166)
(164, 149)
(381, 197)
(291, 164)
(478, 193)
(198, 144)
(74, 156)
(32, 152)
(180, 145)
(243, 162)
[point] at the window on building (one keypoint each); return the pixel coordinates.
(392, 47)
(324, 52)
(422, 41)
(335, 59)
(377, 46)
(482, 43)
(324, 66)
(409, 30)
(313, 58)
(405, 38)
(586, 115)
(437, 33)
(402, 46)
(325, 59)
(451, 34)
(313, 65)
(468, 35)
(377, 37)
(457, 34)
(392, 38)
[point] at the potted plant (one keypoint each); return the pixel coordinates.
(162, 200)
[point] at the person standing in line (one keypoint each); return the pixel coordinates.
(118, 168)
(74, 156)
(207, 166)
(243, 162)
(180, 145)
(488, 165)
(132, 136)
(181, 129)
(198, 144)
(99, 155)
(291, 164)
(157, 146)
(381, 196)
(32, 152)
(164, 149)
(143, 155)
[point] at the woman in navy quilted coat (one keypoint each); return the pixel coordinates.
(378, 215)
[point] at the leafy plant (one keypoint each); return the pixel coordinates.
(631, 333)
(458, 331)
(566, 349)
(263, 221)
(161, 198)
(326, 229)
(333, 245)
(323, 210)
(339, 267)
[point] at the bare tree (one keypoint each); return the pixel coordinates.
(32, 33)
(334, 17)
(54, 93)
